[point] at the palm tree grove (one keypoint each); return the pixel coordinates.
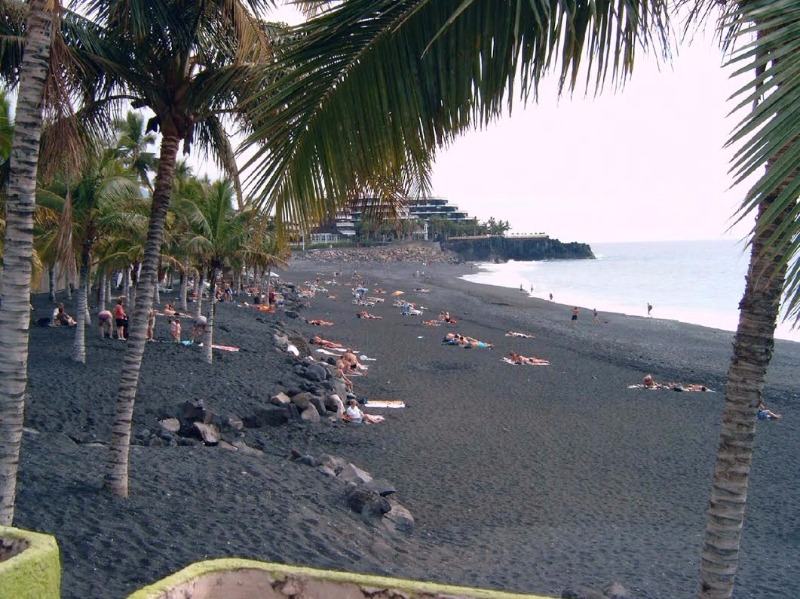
(285, 309)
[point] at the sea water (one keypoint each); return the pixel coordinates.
(699, 282)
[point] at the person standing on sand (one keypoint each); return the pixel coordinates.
(575, 312)
(595, 319)
(551, 297)
(151, 323)
(104, 319)
(649, 309)
(121, 320)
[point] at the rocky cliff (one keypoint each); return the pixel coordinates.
(501, 249)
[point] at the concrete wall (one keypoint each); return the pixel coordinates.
(248, 579)
(35, 572)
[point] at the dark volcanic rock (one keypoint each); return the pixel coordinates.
(267, 416)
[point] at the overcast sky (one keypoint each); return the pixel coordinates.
(643, 163)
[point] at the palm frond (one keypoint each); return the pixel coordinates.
(767, 33)
(373, 87)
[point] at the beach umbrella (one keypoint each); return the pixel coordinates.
(396, 293)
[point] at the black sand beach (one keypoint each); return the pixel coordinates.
(523, 478)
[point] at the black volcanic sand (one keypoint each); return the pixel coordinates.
(523, 478)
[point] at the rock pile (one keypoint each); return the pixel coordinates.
(372, 498)
(427, 253)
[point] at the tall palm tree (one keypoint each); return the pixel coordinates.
(189, 63)
(398, 79)
(217, 241)
(18, 247)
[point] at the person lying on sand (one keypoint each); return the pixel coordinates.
(648, 382)
(444, 316)
(61, 318)
(421, 290)
(765, 413)
(517, 334)
(465, 341)
(515, 358)
(317, 322)
(354, 414)
(432, 323)
(352, 363)
(317, 340)
(105, 323)
(367, 316)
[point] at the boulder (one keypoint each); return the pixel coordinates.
(280, 399)
(334, 403)
(351, 473)
(208, 432)
(366, 502)
(291, 314)
(172, 425)
(327, 471)
(316, 372)
(319, 404)
(227, 446)
(193, 411)
(308, 460)
(246, 449)
(302, 400)
(281, 341)
(234, 423)
(399, 518)
(310, 414)
(268, 415)
(381, 486)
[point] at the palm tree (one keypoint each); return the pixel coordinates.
(133, 144)
(189, 63)
(217, 241)
(18, 248)
(105, 182)
(398, 79)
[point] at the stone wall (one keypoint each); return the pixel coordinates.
(502, 249)
(32, 569)
(246, 579)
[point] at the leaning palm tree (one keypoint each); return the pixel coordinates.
(18, 247)
(217, 241)
(189, 63)
(437, 67)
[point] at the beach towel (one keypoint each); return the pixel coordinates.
(385, 403)
(224, 347)
(692, 388)
(368, 359)
(538, 362)
(522, 335)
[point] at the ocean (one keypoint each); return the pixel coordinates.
(699, 282)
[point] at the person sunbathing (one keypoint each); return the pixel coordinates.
(317, 340)
(352, 363)
(517, 334)
(318, 322)
(354, 414)
(367, 316)
(62, 319)
(765, 413)
(432, 323)
(525, 360)
(169, 310)
(648, 382)
(444, 316)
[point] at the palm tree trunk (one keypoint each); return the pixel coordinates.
(199, 286)
(51, 281)
(103, 289)
(212, 308)
(109, 294)
(135, 277)
(126, 285)
(752, 352)
(156, 294)
(15, 314)
(79, 345)
(184, 286)
(117, 477)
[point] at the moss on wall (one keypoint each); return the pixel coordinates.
(35, 573)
